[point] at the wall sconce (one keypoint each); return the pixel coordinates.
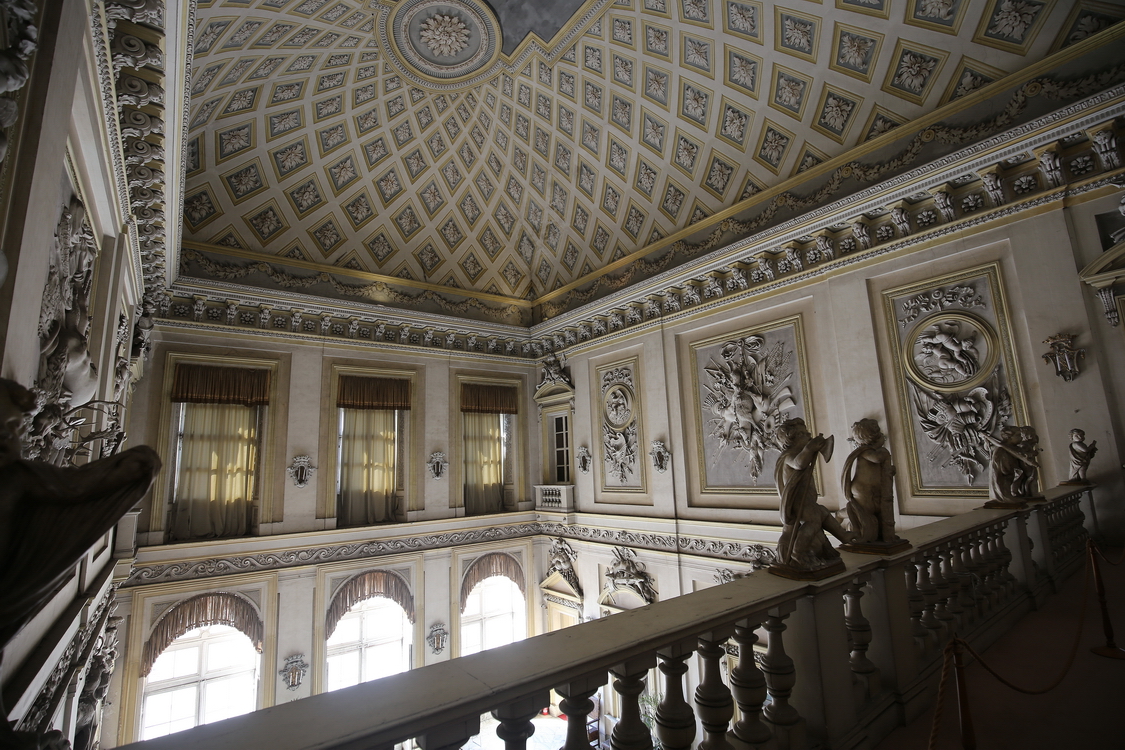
(661, 458)
(438, 637)
(301, 470)
(585, 460)
(437, 465)
(1063, 355)
(294, 671)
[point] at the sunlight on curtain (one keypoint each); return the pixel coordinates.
(215, 485)
(367, 467)
(484, 463)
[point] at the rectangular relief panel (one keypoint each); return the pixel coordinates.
(619, 414)
(744, 384)
(956, 377)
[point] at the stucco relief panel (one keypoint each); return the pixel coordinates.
(744, 384)
(956, 377)
(618, 415)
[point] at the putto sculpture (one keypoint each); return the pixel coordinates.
(868, 484)
(803, 551)
(1080, 457)
(1013, 469)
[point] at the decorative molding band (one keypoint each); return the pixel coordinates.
(221, 566)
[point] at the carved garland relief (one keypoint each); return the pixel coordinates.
(956, 377)
(622, 469)
(745, 384)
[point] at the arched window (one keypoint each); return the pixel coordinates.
(201, 664)
(493, 608)
(370, 626)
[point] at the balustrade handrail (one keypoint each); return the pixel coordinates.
(378, 714)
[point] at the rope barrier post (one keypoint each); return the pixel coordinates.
(968, 738)
(1110, 650)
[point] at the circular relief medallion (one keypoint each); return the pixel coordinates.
(445, 39)
(951, 352)
(618, 406)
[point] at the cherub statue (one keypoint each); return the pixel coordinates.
(1011, 468)
(804, 551)
(51, 515)
(1080, 456)
(869, 489)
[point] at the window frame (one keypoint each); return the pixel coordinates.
(514, 492)
(333, 650)
(267, 497)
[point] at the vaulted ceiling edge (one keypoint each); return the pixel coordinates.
(314, 136)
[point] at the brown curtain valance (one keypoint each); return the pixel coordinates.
(366, 586)
(205, 384)
(357, 392)
(490, 399)
(486, 566)
(196, 612)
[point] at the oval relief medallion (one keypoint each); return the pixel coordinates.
(951, 352)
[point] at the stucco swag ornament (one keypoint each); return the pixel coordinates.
(294, 671)
(803, 551)
(629, 573)
(868, 484)
(301, 470)
(437, 465)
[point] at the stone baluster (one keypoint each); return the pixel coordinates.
(576, 704)
(992, 567)
(450, 736)
(937, 577)
(748, 685)
(1010, 582)
(515, 719)
(949, 560)
(859, 631)
(960, 565)
(929, 595)
(675, 721)
(980, 567)
(630, 732)
(712, 696)
(781, 676)
(917, 603)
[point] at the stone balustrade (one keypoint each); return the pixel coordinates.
(841, 662)
(554, 497)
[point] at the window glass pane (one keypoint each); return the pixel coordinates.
(382, 660)
(347, 630)
(343, 670)
(382, 624)
(231, 654)
(470, 639)
(175, 662)
(167, 712)
(229, 696)
(498, 631)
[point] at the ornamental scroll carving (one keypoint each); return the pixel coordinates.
(747, 383)
(620, 436)
(955, 374)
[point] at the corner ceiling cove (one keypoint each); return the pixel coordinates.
(514, 148)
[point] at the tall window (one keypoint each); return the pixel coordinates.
(494, 614)
(372, 640)
(219, 414)
(487, 423)
(371, 417)
(561, 449)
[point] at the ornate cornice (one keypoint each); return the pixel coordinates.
(253, 563)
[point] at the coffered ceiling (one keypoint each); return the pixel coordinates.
(440, 141)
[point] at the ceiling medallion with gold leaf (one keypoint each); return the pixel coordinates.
(444, 40)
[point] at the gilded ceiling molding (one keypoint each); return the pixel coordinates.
(185, 570)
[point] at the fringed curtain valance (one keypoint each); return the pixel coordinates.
(363, 587)
(373, 393)
(205, 384)
(486, 566)
(196, 612)
(489, 399)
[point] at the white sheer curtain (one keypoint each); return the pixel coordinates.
(218, 459)
(484, 463)
(367, 467)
